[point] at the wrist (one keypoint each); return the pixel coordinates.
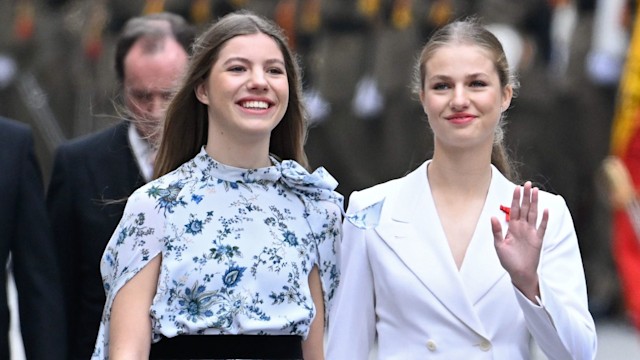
(528, 286)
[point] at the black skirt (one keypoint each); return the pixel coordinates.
(203, 347)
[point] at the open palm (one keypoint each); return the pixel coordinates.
(519, 249)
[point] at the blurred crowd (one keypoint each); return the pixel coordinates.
(56, 74)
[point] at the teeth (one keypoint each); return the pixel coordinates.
(255, 105)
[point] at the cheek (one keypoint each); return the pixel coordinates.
(282, 93)
(134, 107)
(432, 106)
(282, 88)
(491, 102)
(285, 96)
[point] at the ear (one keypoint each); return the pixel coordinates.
(507, 95)
(201, 93)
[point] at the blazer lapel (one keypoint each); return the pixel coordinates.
(410, 226)
(481, 268)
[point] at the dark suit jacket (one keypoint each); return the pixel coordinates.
(91, 179)
(26, 235)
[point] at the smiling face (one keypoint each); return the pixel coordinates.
(246, 92)
(463, 97)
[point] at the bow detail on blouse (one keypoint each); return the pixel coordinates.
(317, 186)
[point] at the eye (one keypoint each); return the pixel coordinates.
(141, 96)
(440, 86)
(276, 70)
(478, 83)
(236, 68)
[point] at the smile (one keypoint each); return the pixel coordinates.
(260, 105)
(461, 118)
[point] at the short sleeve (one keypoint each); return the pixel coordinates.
(328, 241)
(137, 240)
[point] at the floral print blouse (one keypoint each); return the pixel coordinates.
(237, 247)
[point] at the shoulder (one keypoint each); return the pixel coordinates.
(100, 141)
(369, 196)
(16, 141)
(162, 196)
(147, 197)
(17, 158)
(14, 126)
(362, 198)
(551, 200)
(169, 184)
(546, 198)
(161, 182)
(13, 132)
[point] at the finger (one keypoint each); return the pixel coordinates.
(543, 224)
(533, 208)
(496, 228)
(514, 213)
(526, 200)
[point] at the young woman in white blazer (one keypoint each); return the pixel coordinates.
(454, 260)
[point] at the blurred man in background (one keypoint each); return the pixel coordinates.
(92, 176)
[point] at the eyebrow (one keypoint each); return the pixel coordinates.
(445, 77)
(245, 60)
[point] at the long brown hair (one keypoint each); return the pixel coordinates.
(470, 31)
(186, 123)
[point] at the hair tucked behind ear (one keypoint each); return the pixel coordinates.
(186, 123)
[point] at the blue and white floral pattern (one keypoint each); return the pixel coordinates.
(367, 218)
(237, 247)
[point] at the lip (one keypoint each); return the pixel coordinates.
(461, 118)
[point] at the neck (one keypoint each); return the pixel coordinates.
(245, 155)
(463, 173)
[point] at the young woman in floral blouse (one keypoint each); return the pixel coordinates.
(235, 240)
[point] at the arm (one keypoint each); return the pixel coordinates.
(555, 305)
(312, 347)
(136, 242)
(34, 265)
(130, 327)
(323, 278)
(563, 294)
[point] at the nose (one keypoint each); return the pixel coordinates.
(258, 81)
(157, 106)
(460, 98)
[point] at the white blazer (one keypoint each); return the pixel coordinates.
(400, 286)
